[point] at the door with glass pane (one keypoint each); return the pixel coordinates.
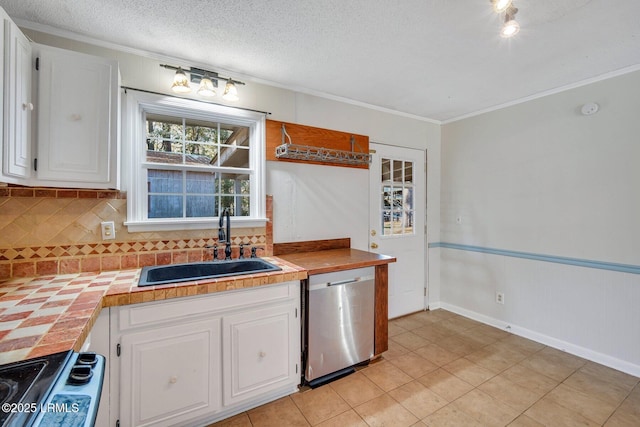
(397, 217)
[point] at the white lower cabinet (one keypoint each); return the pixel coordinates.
(195, 360)
(171, 373)
(258, 352)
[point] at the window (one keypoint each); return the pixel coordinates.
(397, 197)
(190, 161)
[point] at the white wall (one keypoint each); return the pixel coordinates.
(337, 184)
(313, 202)
(541, 178)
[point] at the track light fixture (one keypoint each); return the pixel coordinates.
(500, 6)
(207, 81)
(510, 27)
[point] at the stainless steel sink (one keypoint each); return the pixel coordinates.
(163, 274)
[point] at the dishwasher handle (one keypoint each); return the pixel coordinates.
(340, 282)
(348, 281)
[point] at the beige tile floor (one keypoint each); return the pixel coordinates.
(443, 369)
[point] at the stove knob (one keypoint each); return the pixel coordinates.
(80, 374)
(88, 358)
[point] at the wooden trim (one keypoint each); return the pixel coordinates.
(314, 137)
(381, 313)
(310, 246)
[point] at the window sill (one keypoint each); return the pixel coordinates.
(190, 224)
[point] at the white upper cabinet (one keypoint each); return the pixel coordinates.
(17, 104)
(78, 119)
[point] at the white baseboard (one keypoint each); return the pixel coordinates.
(594, 356)
(434, 306)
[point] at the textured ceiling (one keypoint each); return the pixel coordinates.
(437, 59)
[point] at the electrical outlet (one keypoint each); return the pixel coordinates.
(499, 297)
(108, 230)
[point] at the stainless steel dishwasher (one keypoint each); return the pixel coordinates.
(340, 323)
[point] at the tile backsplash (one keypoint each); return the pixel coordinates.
(45, 231)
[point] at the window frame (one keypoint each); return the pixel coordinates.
(134, 165)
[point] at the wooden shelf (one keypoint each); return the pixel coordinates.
(313, 137)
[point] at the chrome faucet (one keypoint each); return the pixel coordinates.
(225, 237)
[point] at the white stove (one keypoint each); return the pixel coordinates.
(62, 389)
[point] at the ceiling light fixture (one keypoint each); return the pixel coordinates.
(180, 82)
(511, 26)
(206, 87)
(230, 91)
(500, 6)
(207, 81)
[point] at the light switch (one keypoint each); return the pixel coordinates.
(108, 230)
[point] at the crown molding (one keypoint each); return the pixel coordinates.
(53, 31)
(160, 57)
(581, 83)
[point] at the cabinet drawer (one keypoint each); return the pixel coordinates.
(154, 313)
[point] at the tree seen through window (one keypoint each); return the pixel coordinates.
(206, 173)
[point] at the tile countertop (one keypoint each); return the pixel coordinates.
(45, 315)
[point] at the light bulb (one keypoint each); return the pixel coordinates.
(230, 91)
(206, 87)
(510, 28)
(180, 82)
(500, 6)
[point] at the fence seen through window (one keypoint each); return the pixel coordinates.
(196, 168)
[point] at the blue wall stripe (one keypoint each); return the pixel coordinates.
(624, 268)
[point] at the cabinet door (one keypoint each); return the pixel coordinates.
(261, 352)
(78, 102)
(170, 374)
(16, 164)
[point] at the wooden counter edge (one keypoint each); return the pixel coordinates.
(381, 310)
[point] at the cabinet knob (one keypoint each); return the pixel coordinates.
(262, 354)
(75, 117)
(27, 106)
(374, 246)
(173, 380)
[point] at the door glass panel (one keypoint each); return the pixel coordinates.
(397, 171)
(407, 226)
(386, 223)
(408, 172)
(386, 197)
(386, 170)
(397, 210)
